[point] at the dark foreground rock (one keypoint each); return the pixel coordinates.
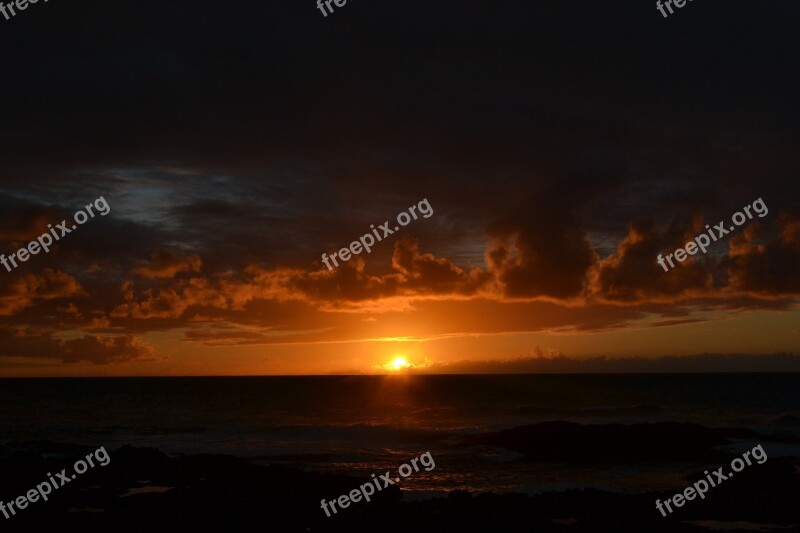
(223, 493)
(661, 442)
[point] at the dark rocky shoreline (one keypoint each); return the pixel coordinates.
(144, 489)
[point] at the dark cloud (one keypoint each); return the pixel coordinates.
(562, 145)
(632, 274)
(769, 267)
(540, 249)
(89, 348)
(103, 350)
(20, 223)
(166, 264)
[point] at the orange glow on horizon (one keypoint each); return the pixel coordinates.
(402, 363)
(399, 363)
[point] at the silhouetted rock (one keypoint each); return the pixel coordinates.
(147, 490)
(569, 442)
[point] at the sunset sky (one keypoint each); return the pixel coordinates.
(235, 143)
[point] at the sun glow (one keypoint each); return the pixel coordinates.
(398, 363)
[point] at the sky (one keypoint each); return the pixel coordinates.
(552, 151)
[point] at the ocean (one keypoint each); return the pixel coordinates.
(360, 425)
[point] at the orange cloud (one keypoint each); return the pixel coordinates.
(23, 224)
(22, 291)
(766, 268)
(106, 349)
(167, 264)
(95, 349)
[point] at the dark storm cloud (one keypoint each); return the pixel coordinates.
(763, 261)
(769, 268)
(107, 241)
(562, 144)
(517, 84)
(540, 248)
(20, 223)
(633, 275)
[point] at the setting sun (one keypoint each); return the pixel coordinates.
(399, 363)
